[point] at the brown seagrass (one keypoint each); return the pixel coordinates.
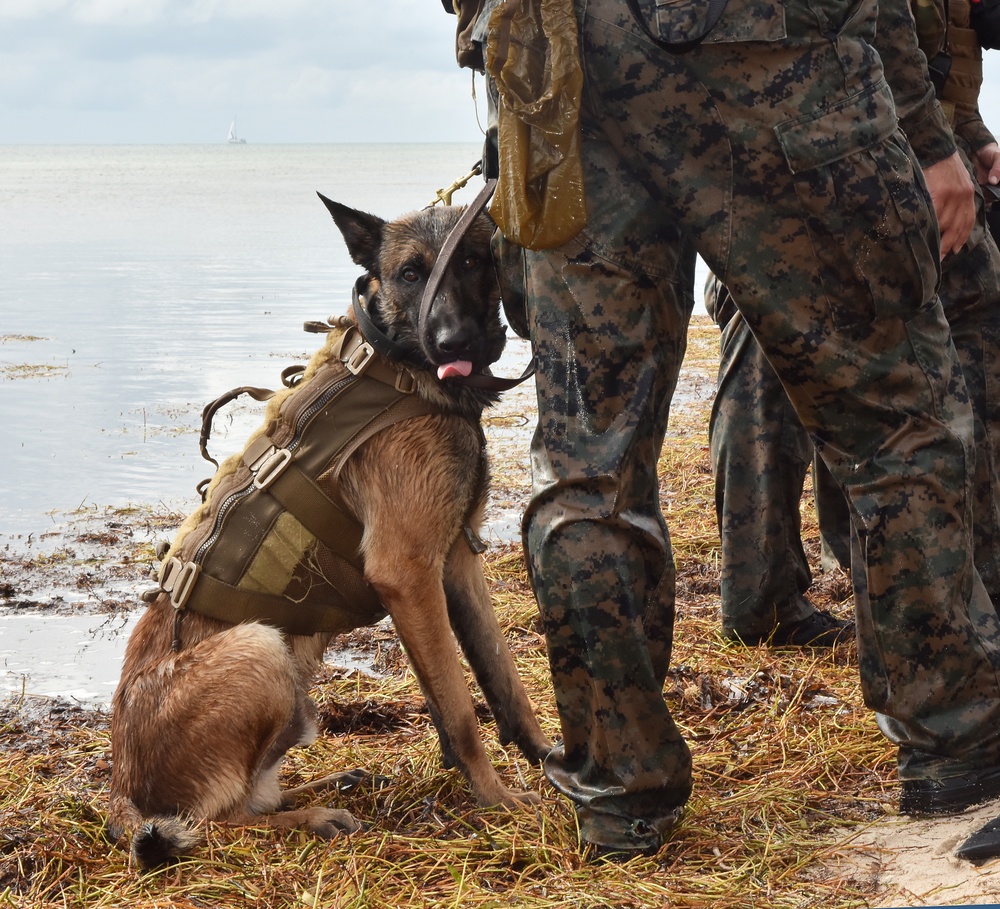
(206, 708)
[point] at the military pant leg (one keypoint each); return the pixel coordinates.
(833, 516)
(970, 292)
(760, 455)
(608, 316)
(774, 144)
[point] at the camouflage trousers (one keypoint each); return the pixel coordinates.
(775, 149)
(761, 453)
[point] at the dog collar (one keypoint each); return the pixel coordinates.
(372, 333)
(393, 351)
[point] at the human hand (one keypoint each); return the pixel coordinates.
(954, 199)
(987, 163)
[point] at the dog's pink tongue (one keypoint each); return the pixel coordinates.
(455, 368)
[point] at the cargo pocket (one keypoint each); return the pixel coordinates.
(870, 222)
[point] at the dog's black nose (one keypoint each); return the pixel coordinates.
(456, 340)
(456, 347)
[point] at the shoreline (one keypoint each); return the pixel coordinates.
(790, 767)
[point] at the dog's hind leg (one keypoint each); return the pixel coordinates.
(201, 734)
(193, 730)
(474, 622)
(269, 806)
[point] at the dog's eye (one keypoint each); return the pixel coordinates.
(410, 274)
(471, 262)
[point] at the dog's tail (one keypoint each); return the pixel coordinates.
(162, 839)
(155, 840)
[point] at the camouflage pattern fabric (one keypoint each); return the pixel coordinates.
(760, 457)
(774, 147)
(598, 547)
(761, 452)
(759, 448)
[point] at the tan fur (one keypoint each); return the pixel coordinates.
(200, 734)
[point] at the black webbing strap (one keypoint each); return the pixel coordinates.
(372, 333)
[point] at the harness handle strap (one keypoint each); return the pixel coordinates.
(213, 407)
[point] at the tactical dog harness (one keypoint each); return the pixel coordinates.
(271, 543)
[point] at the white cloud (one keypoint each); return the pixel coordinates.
(35, 9)
(204, 10)
(118, 12)
(172, 70)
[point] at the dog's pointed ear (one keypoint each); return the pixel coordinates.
(362, 232)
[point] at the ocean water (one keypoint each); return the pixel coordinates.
(139, 283)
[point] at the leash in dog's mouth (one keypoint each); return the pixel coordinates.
(458, 372)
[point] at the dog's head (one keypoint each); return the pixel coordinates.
(464, 332)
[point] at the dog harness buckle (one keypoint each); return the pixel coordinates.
(272, 467)
(406, 382)
(265, 461)
(359, 358)
(178, 580)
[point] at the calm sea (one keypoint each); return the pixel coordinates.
(138, 283)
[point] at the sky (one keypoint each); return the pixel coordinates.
(179, 71)
(166, 71)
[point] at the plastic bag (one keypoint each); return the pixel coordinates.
(532, 55)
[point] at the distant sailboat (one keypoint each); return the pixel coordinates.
(233, 138)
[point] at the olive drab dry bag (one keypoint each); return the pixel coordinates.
(532, 55)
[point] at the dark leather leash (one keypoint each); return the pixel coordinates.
(475, 380)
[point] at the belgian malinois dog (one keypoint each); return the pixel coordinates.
(206, 709)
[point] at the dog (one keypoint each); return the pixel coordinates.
(206, 709)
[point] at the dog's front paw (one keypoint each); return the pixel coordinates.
(330, 823)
